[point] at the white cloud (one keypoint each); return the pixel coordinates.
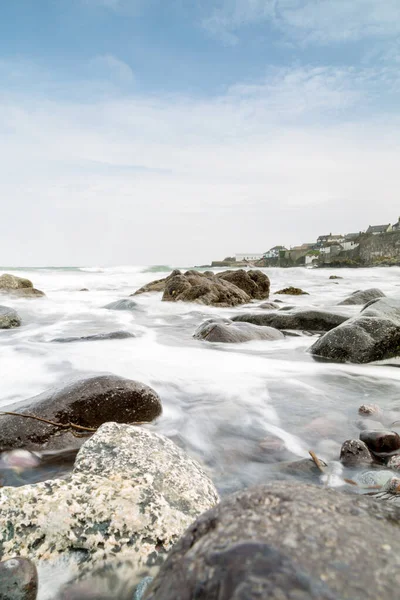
(152, 179)
(321, 21)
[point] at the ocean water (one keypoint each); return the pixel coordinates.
(240, 409)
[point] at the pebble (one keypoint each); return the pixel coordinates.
(369, 409)
(381, 443)
(18, 579)
(354, 453)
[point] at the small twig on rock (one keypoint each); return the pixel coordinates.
(317, 461)
(63, 425)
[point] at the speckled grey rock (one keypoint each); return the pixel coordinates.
(9, 318)
(355, 453)
(87, 402)
(372, 335)
(235, 333)
(18, 579)
(131, 496)
(311, 320)
(283, 541)
(362, 297)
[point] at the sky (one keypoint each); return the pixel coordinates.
(183, 131)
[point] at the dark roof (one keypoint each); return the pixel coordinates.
(378, 228)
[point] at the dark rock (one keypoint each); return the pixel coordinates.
(255, 283)
(372, 335)
(311, 320)
(18, 579)
(155, 286)
(235, 332)
(17, 286)
(86, 402)
(124, 304)
(355, 453)
(381, 443)
(335, 277)
(362, 297)
(269, 305)
(9, 318)
(196, 287)
(285, 541)
(292, 291)
(112, 335)
(304, 468)
(84, 290)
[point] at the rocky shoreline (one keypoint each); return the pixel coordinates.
(130, 515)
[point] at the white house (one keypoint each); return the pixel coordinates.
(248, 257)
(275, 252)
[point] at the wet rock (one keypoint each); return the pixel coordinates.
(9, 318)
(131, 495)
(311, 320)
(303, 468)
(124, 304)
(362, 297)
(369, 425)
(390, 492)
(155, 286)
(394, 462)
(335, 277)
(196, 287)
(87, 402)
(112, 335)
(355, 453)
(18, 579)
(17, 286)
(84, 290)
(377, 478)
(381, 443)
(372, 335)
(369, 409)
(293, 291)
(269, 305)
(235, 333)
(285, 541)
(255, 283)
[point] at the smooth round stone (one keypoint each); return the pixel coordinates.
(18, 579)
(381, 443)
(355, 453)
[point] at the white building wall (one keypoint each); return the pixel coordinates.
(240, 257)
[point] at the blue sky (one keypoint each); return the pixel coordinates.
(187, 130)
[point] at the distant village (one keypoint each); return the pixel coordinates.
(377, 244)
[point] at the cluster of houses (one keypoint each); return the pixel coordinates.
(329, 245)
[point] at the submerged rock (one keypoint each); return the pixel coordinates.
(381, 443)
(112, 335)
(285, 540)
(235, 333)
(18, 579)
(355, 453)
(311, 320)
(362, 297)
(17, 286)
(130, 497)
(269, 306)
(9, 318)
(369, 409)
(86, 402)
(292, 291)
(372, 335)
(124, 304)
(335, 277)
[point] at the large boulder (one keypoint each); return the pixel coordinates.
(362, 297)
(372, 335)
(9, 318)
(155, 286)
(85, 402)
(255, 283)
(309, 320)
(235, 333)
(203, 289)
(18, 286)
(292, 291)
(131, 495)
(286, 541)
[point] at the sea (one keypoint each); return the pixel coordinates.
(242, 410)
